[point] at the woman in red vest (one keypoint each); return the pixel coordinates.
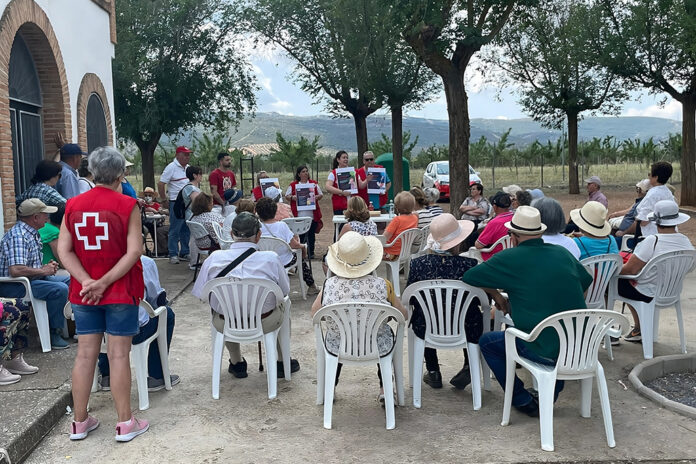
(100, 244)
(302, 179)
(257, 192)
(339, 198)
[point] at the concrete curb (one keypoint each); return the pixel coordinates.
(657, 367)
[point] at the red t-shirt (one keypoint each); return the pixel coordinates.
(494, 231)
(221, 181)
(98, 223)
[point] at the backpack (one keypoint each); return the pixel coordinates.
(180, 205)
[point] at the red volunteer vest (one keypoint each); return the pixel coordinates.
(317, 212)
(362, 193)
(98, 223)
(338, 202)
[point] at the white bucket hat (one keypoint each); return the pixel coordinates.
(512, 189)
(354, 255)
(446, 232)
(526, 221)
(666, 214)
(592, 218)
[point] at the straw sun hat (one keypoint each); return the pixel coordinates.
(354, 255)
(592, 218)
(446, 232)
(526, 221)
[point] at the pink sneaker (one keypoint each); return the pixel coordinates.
(126, 431)
(80, 430)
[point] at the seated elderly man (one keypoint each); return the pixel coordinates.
(21, 256)
(495, 229)
(247, 263)
(541, 279)
(156, 296)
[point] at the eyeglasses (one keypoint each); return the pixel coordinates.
(368, 159)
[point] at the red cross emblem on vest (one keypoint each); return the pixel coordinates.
(87, 231)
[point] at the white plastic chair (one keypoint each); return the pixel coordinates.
(279, 246)
(223, 240)
(580, 333)
(444, 304)
(422, 243)
(358, 323)
(407, 237)
(604, 270)
(667, 272)
(505, 241)
(241, 303)
(39, 308)
(198, 231)
(140, 352)
(624, 242)
(299, 225)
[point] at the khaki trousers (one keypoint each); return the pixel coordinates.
(268, 324)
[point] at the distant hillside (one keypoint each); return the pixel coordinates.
(340, 133)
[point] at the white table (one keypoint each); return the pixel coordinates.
(155, 218)
(341, 219)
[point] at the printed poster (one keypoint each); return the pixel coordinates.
(269, 182)
(378, 184)
(346, 180)
(306, 197)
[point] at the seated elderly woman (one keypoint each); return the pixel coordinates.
(352, 260)
(443, 262)
(283, 210)
(666, 217)
(43, 185)
(202, 209)
(358, 217)
(552, 215)
(270, 227)
(475, 207)
(14, 327)
(245, 204)
(591, 219)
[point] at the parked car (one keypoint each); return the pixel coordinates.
(437, 175)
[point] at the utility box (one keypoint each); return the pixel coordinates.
(387, 160)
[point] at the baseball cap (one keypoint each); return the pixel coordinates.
(34, 206)
(273, 193)
(232, 195)
(183, 149)
(594, 180)
(501, 200)
(70, 149)
(245, 225)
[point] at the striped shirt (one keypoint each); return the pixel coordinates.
(426, 215)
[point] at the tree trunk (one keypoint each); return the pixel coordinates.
(573, 185)
(688, 155)
(459, 134)
(397, 149)
(493, 170)
(360, 134)
(147, 155)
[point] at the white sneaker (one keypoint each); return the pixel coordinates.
(174, 260)
(7, 377)
(18, 365)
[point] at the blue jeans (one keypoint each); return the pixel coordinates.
(154, 364)
(179, 235)
(492, 346)
(52, 289)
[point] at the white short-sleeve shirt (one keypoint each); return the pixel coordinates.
(174, 175)
(647, 206)
(648, 249)
(282, 231)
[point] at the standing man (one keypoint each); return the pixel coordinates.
(70, 157)
(594, 183)
(377, 200)
(174, 178)
(541, 279)
(222, 179)
(21, 256)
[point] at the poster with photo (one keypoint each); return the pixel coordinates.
(306, 197)
(378, 184)
(269, 182)
(346, 180)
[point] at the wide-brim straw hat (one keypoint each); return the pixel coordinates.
(512, 189)
(447, 232)
(666, 214)
(354, 255)
(148, 190)
(526, 221)
(592, 218)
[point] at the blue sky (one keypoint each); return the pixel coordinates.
(280, 94)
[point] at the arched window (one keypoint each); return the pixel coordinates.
(25, 114)
(96, 123)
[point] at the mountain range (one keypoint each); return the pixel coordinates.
(335, 133)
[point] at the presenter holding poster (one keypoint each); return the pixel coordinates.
(304, 194)
(373, 182)
(340, 193)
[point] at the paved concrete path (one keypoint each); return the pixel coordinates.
(187, 425)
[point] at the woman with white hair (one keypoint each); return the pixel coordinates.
(552, 215)
(100, 244)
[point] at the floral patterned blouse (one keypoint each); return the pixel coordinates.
(207, 220)
(369, 289)
(364, 228)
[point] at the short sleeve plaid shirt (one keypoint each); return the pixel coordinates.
(21, 246)
(43, 192)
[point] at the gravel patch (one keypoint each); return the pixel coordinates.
(679, 387)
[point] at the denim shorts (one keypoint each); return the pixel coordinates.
(113, 319)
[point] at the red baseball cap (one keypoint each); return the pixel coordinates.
(183, 149)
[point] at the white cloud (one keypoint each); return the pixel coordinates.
(281, 105)
(671, 110)
(505, 118)
(266, 83)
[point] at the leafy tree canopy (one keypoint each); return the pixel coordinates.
(293, 154)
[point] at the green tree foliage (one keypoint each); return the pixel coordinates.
(293, 154)
(652, 45)
(206, 148)
(179, 70)
(430, 154)
(384, 145)
(553, 54)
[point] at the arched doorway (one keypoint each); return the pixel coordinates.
(97, 135)
(25, 114)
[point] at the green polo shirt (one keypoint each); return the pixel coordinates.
(541, 279)
(48, 233)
